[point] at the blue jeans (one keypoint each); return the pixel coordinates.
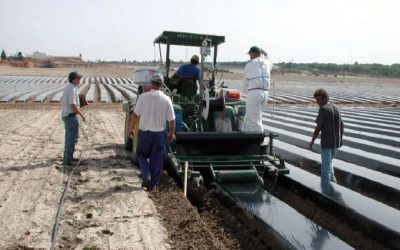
(150, 153)
(327, 171)
(71, 126)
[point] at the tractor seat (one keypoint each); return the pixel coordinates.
(187, 86)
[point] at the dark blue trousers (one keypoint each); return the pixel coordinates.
(150, 153)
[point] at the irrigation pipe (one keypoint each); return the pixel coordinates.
(62, 200)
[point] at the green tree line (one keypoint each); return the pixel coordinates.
(373, 69)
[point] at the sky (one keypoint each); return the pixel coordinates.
(324, 31)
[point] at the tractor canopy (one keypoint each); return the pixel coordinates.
(187, 39)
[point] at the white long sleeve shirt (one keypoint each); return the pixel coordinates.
(257, 74)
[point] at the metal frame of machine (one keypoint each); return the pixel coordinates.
(212, 156)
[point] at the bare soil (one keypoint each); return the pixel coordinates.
(105, 206)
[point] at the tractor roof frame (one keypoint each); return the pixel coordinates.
(188, 39)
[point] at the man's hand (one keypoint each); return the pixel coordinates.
(131, 132)
(311, 144)
(315, 135)
(171, 137)
(83, 117)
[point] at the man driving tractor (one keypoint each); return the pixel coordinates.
(190, 70)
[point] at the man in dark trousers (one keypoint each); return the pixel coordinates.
(330, 124)
(153, 110)
(70, 108)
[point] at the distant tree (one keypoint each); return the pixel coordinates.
(3, 55)
(20, 56)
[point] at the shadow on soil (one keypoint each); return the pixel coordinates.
(124, 188)
(49, 163)
(96, 164)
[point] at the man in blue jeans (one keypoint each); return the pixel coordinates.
(70, 104)
(330, 124)
(153, 110)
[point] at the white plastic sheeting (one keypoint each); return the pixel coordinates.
(90, 93)
(115, 93)
(104, 96)
(41, 97)
(292, 92)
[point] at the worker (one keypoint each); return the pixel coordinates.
(330, 124)
(190, 70)
(256, 81)
(153, 109)
(70, 108)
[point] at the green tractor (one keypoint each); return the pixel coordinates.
(210, 146)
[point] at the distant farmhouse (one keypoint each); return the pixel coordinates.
(38, 55)
(41, 59)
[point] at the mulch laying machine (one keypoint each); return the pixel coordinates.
(210, 146)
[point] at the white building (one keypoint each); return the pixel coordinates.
(38, 55)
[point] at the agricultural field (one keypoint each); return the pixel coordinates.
(114, 89)
(106, 208)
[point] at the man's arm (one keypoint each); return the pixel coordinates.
(171, 133)
(170, 115)
(132, 123)
(245, 83)
(315, 135)
(341, 132)
(76, 110)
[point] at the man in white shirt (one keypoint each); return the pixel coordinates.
(257, 75)
(70, 104)
(154, 109)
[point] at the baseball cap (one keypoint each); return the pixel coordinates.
(254, 49)
(157, 79)
(73, 75)
(195, 57)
